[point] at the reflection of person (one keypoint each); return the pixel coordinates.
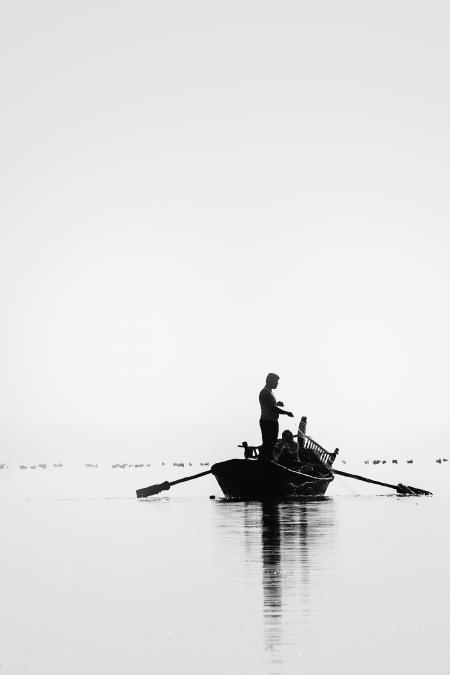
(286, 450)
(270, 412)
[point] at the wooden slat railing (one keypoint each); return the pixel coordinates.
(325, 457)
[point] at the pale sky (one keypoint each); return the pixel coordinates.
(195, 194)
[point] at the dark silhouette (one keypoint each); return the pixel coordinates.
(156, 489)
(297, 542)
(301, 433)
(401, 489)
(286, 450)
(270, 412)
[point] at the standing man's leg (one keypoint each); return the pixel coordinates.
(269, 433)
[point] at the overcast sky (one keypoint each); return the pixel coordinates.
(195, 194)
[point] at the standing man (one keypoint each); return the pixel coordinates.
(270, 411)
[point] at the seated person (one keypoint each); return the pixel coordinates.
(286, 450)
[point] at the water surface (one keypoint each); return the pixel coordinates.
(95, 581)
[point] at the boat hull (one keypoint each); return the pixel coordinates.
(257, 479)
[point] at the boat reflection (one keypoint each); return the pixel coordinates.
(297, 543)
(291, 547)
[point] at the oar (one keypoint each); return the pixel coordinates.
(156, 489)
(401, 489)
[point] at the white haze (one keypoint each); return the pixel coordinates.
(194, 194)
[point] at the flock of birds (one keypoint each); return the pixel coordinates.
(141, 466)
(95, 466)
(395, 461)
(440, 460)
(33, 466)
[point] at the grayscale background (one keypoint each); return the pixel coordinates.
(194, 194)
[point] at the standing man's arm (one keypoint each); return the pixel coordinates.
(267, 399)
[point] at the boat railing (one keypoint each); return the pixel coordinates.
(325, 457)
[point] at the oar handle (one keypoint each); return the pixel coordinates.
(401, 489)
(366, 480)
(156, 489)
(183, 480)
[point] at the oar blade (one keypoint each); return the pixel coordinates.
(408, 490)
(152, 490)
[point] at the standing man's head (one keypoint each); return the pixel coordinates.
(272, 380)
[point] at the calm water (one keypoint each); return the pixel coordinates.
(95, 581)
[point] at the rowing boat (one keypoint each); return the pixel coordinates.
(252, 478)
